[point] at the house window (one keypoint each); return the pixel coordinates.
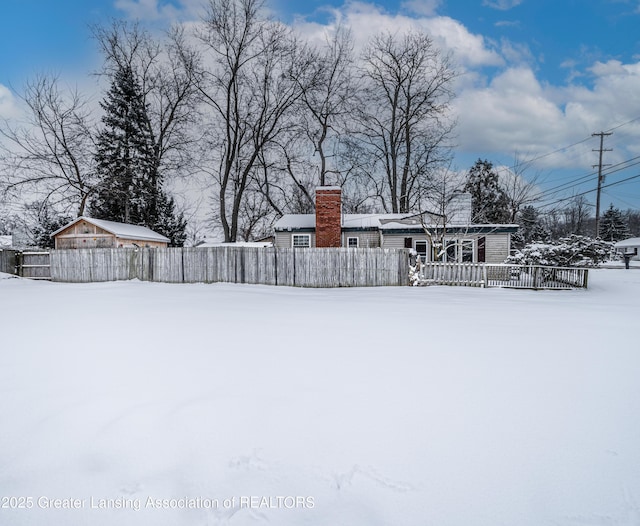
(421, 249)
(451, 250)
(459, 250)
(353, 242)
(301, 240)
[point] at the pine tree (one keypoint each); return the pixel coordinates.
(131, 183)
(531, 228)
(613, 226)
(489, 200)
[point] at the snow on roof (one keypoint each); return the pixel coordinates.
(245, 244)
(381, 221)
(628, 243)
(288, 221)
(121, 230)
(6, 241)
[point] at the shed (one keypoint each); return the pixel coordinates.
(87, 232)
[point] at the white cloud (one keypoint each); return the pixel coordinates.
(8, 104)
(153, 10)
(515, 112)
(612, 67)
(422, 7)
(367, 20)
(510, 114)
(502, 5)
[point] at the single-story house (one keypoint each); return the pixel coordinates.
(435, 237)
(87, 232)
(629, 247)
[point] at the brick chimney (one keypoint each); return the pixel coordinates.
(328, 216)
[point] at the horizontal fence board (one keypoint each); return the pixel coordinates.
(309, 267)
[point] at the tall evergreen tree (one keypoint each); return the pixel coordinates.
(131, 185)
(490, 203)
(613, 226)
(530, 228)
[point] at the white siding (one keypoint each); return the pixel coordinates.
(497, 248)
(397, 240)
(365, 239)
(283, 239)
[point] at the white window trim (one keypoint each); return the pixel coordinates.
(308, 236)
(458, 241)
(357, 242)
(427, 245)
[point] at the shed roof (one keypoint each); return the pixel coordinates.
(121, 230)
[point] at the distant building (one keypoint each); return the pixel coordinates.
(86, 232)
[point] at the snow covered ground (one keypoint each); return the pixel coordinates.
(136, 403)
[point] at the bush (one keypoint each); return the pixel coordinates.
(573, 251)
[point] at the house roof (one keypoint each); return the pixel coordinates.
(628, 243)
(240, 244)
(121, 230)
(384, 222)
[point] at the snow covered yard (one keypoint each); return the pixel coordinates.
(246, 405)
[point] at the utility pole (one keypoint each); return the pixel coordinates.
(600, 176)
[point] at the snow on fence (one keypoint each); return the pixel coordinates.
(513, 276)
(313, 267)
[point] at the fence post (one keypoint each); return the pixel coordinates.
(485, 276)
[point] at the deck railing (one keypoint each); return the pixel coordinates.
(494, 275)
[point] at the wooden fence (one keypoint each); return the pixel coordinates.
(313, 267)
(34, 264)
(8, 261)
(512, 276)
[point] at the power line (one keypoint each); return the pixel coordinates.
(593, 190)
(623, 165)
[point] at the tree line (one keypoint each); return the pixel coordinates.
(261, 114)
(242, 99)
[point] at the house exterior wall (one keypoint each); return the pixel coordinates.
(131, 243)
(498, 247)
(497, 244)
(285, 239)
(366, 239)
(84, 235)
(87, 235)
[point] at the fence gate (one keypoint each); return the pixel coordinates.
(34, 265)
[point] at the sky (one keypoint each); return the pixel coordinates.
(536, 77)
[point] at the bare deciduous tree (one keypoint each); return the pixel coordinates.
(403, 117)
(521, 190)
(329, 99)
(50, 154)
(249, 78)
